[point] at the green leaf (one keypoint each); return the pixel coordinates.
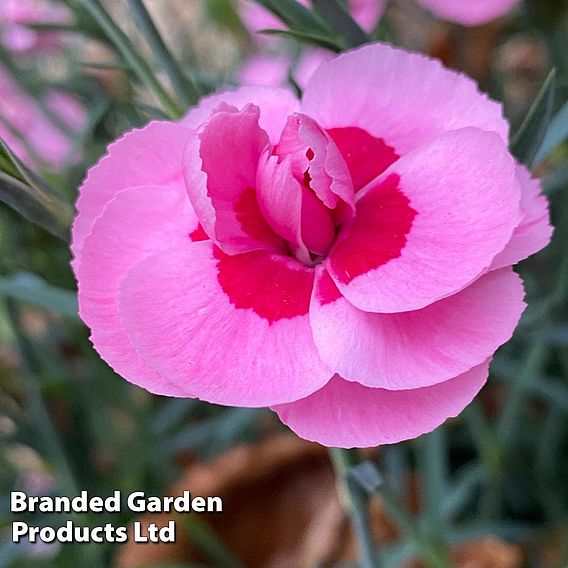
(556, 134)
(339, 19)
(367, 476)
(184, 87)
(296, 17)
(31, 289)
(464, 491)
(532, 131)
(556, 181)
(209, 543)
(322, 41)
(131, 57)
(224, 13)
(31, 197)
(113, 66)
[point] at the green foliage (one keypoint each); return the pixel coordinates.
(499, 469)
(531, 135)
(30, 196)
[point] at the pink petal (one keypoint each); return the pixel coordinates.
(308, 63)
(67, 108)
(535, 231)
(470, 13)
(255, 17)
(430, 225)
(366, 156)
(19, 38)
(220, 168)
(312, 150)
(152, 155)
(138, 222)
(266, 70)
(231, 330)
(275, 106)
(367, 13)
(421, 348)
(280, 199)
(404, 98)
(346, 415)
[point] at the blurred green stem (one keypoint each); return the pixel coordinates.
(489, 451)
(512, 412)
(185, 88)
(432, 459)
(128, 52)
(39, 412)
(426, 549)
(356, 502)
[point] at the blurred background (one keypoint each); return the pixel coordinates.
(491, 484)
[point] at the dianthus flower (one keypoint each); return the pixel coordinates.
(31, 133)
(345, 260)
(17, 18)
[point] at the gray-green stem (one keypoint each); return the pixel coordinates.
(356, 502)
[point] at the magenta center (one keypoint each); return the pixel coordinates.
(353, 243)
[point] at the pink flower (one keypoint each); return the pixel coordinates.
(272, 70)
(345, 260)
(30, 133)
(265, 69)
(471, 12)
(17, 16)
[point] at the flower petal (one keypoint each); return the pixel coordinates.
(472, 13)
(312, 150)
(535, 231)
(231, 330)
(430, 225)
(420, 348)
(150, 156)
(366, 156)
(267, 70)
(347, 415)
(220, 169)
(135, 224)
(279, 197)
(275, 106)
(404, 98)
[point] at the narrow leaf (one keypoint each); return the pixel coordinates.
(367, 476)
(32, 289)
(339, 19)
(296, 17)
(532, 131)
(321, 41)
(134, 60)
(209, 543)
(185, 88)
(556, 134)
(556, 181)
(31, 197)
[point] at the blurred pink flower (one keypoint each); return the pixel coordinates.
(31, 134)
(365, 12)
(272, 70)
(265, 69)
(470, 12)
(344, 259)
(17, 16)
